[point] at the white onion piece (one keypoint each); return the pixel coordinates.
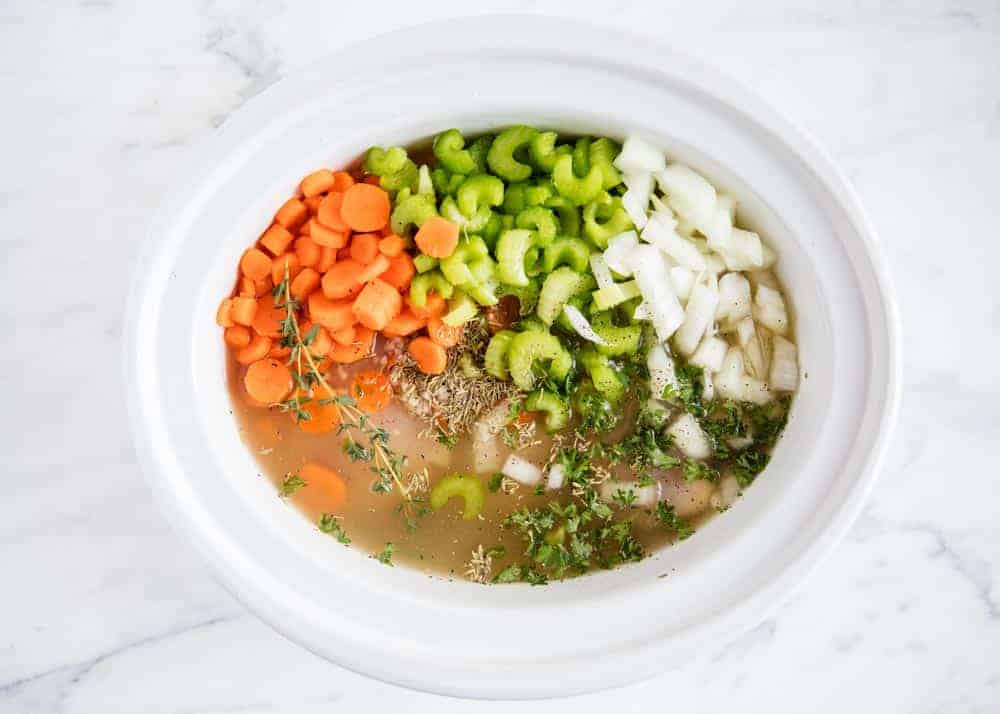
(698, 315)
(738, 443)
(710, 354)
(643, 496)
(643, 312)
(492, 422)
(769, 310)
(744, 251)
(719, 229)
(639, 156)
(522, 471)
(707, 387)
(688, 193)
(683, 280)
(770, 257)
(582, 325)
(555, 478)
(755, 343)
(784, 365)
(654, 284)
(763, 277)
(733, 383)
(689, 437)
(662, 372)
(734, 298)
(602, 273)
(727, 492)
(619, 251)
(635, 206)
(714, 264)
(660, 232)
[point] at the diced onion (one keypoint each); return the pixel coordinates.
(699, 314)
(662, 372)
(784, 365)
(619, 251)
(754, 341)
(639, 156)
(710, 354)
(642, 496)
(707, 387)
(654, 283)
(635, 205)
(720, 227)
(688, 193)
(744, 250)
(582, 325)
(602, 273)
(643, 312)
(727, 493)
(734, 298)
(683, 280)
(522, 471)
(689, 437)
(555, 478)
(733, 383)
(769, 310)
(660, 232)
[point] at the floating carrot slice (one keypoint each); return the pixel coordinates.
(324, 236)
(405, 323)
(276, 239)
(443, 334)
(292, 214)
(431, 358)
(327, 257)
(237, 336)
(364, 247)
(373, 269)
(359, 348)
(437, 237)
(341, 280)
(255, 263)
(268, 318)
(365, 207)
(268, 381)
(378, 303)
(304, 283)
(318, 339)
(278, 266)
(434, 307)
(334, 315)
(257, 349)
(391, 246)
(344, 336)
(317, 182)
(371, 391)
(243, 310)
(223, 316)
(325, 489)
(400, 271)
(342, 181)
(329, 212)
(306, 251)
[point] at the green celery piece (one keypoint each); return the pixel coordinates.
(616, 294)
(559, 286)
(557, 411)
(602, 374)
(604, 218)
(449, 148)
(512, 247)
(495, 359)
(529, 347)
(567, 251)
(578, 191)
(431, 281)
(465, 486)
(412, 210)
(541, 220)
(501, 157)
(602, 153)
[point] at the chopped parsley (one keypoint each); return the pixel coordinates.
(385, 557)
(329, 523)
(290, 484)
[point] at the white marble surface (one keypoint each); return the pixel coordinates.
(105, 610)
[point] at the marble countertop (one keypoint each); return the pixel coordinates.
(106, 610)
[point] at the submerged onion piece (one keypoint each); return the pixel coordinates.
(521, 470)
(614, 491)
(710, 354)
(654, 283)
(688, 193)
(734, 298)
(698, 316)
(582, 325)
(555, 478)
(689, 437)
(602, 273)
(662, 371)
(769, 310)
(784, 375)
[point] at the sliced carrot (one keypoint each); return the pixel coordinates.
(279, 351)
(344, 336)
(365, 207)
(268, 318)
(257, 349)
(435, 306)
(306, 228)
(318, 338)
(246, 287)
(223, 316)
(360, 347)
(342, 181)
(306, 251)
(364, 247)
(237, 336)
(341, 280)
(263, 286)
(334, 315)
(324, 236)
(327, 257)
(405, 323)
(391, 246)
(378, 303)
(344, 253)
(304, 283)
(322, 417)
(292, 214)
(268, 381)
(243, 311)
(325, 489)
(444, 335)
(430, 357)
(371, 391)
(255, 263)
(437, 237)
(276, 239)
(374, 268)
(317, 182)
(312, 203)
(278, 265)
(329, 212)
(400, 271)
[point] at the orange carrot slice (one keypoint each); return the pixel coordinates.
(278, 265)
(435, 306)
(243, 311)
(344, 336)
(444, 335)
(378, 303)
(341, 280)
(364, 247)
(365, 207)
(276, 239)
(255, 263)
(334, 315)
(325, 489)
(437, 237)
(324, 236)
(306, 251)
(237, 336)
(268, 381)
(405, 323)
(431, 358)
(304, 283)
(268, 317)
(400, 271)
(371, 391)
(391, 246)
(373, 269)
(360, 347)
(292, 214)
(329, 212)
(223, 316)
(342, 181)
(317, 182)
(257, 349)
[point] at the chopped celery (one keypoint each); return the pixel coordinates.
(541, 220)
(412, 210)
(578, 191)
(532, 324)
(431, 281)
(618, 340)
(425, 186)
(602, 152)
(466, 486)
(495, 359)
(479, 150)
(501, 156)
(559, 286)
(483, 287)
(423, 262)
(615, 294)
(569, 215)
(544, 150)
(449, 148)
(479, 191)
(382, 162)
(555, 407)
(581, 156)
(461, 309)
(604, 218)
(446, 183)
(511, 250)
(529, 347)
(527, 296)
(456, 266)
(567, 251)
(472, 223)
(604, 376)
